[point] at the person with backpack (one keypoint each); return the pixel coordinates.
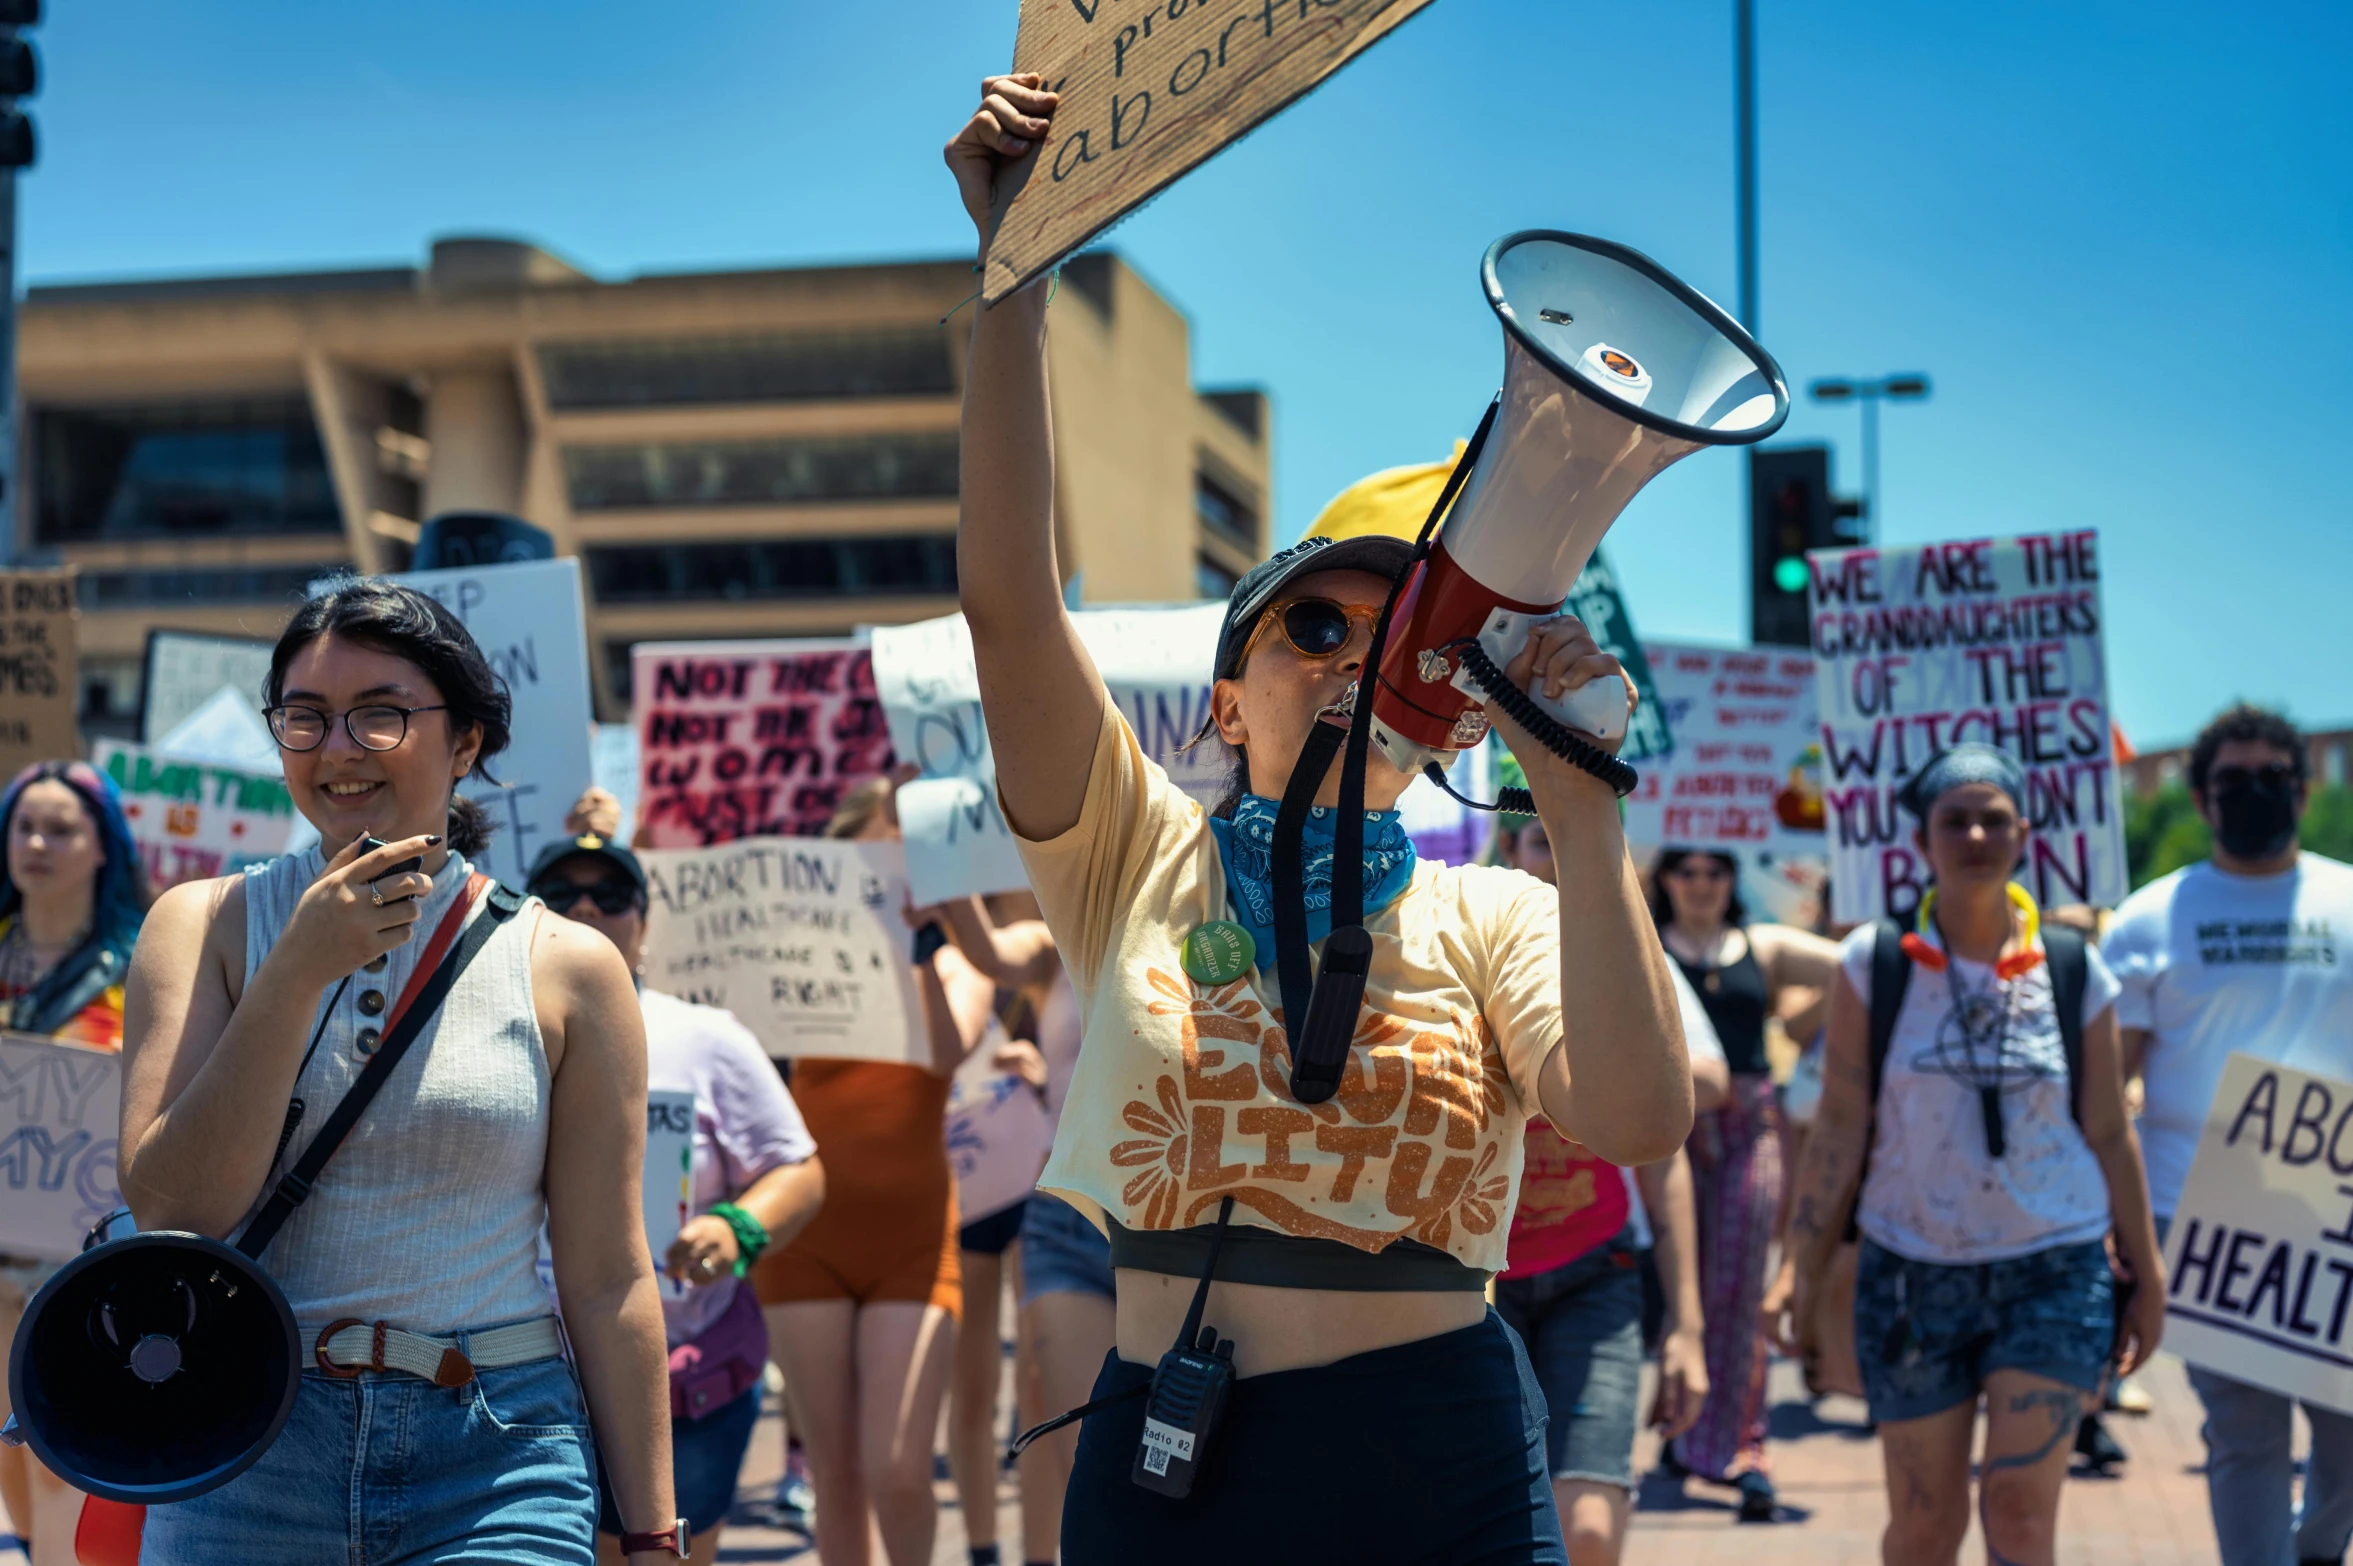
(1973, 1115)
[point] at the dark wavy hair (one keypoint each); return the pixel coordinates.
(1662, 909)
(413, 626)
(2246, 721)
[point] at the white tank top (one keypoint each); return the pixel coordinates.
(428, 1216)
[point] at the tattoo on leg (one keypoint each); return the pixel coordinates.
(2064, 1410)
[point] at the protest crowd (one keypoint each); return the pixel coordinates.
(709, 1108)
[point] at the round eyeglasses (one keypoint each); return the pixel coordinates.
(371, 728)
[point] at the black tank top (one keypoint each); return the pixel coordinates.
(1735, 999)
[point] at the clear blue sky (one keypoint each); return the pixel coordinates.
(2119, 236)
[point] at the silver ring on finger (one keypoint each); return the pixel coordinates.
(376, 892)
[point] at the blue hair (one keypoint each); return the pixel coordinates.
(119, 901)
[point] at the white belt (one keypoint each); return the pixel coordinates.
(347, 1347)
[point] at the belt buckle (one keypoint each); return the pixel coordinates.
(318, 1350)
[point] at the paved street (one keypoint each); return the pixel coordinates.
(1827, 1467)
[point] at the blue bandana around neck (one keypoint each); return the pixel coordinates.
(1246, 844)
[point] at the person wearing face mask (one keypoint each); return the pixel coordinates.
(1331, 1251)
(2244, 952)
(755, 1177)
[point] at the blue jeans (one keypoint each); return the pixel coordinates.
(1927, 1334)
(388, 1470)
(1582, 1325)
(2250, 1472)
(1061, 1253)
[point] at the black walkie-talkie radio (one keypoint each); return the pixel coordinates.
(1189, 1388)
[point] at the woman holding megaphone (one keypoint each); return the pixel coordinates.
(437, 1417)
(1319, 1264)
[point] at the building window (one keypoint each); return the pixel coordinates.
(1212, 580)
(803, 367)
(228, 585)
(768, 568)
(761, 472)
(180, 470)
(1226, 514)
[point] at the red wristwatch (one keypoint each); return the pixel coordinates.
(670, 1541)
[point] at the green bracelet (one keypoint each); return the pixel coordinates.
(751, 1235)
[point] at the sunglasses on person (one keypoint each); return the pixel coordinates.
(1315, 627)
(2272, 774)
(1699, 870)
(612, 895)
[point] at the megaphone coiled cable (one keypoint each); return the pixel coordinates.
(1557, 737)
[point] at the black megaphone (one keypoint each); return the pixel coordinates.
(153, 1367)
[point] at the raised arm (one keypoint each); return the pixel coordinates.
(1038, 688)
(1791, 956)
(1016, 956)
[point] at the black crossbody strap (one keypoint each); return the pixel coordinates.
(294, 1187)
(2063, 949)
(1891, 976)
(1293, 966)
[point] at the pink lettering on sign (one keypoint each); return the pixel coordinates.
(752, 739)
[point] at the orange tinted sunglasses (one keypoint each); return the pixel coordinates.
(1316, 628)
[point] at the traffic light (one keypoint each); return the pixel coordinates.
(1790, 510)
(20, 77)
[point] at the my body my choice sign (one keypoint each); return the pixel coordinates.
(2259, 1261)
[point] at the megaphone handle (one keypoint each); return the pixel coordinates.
(1557, 737)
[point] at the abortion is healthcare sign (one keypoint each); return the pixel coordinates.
(2259, 1259)
(1992, 640)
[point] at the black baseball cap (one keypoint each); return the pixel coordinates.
(1382, 555)
(588, 843)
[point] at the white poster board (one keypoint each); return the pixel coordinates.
(1745, 776)
(193, 820)
(184, 669)
(998, 1133)
(60, 1105)
(1989, 640)
(804, 939)
(527, 620)
(669, 1174)
(1156, 662)
(2259, 1260)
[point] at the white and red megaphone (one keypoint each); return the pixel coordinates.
(1613, 370)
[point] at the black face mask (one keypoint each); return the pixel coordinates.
(2258, 816)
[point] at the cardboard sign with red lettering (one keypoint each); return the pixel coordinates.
(1151, 89)
(1990, 640)
(751, 739)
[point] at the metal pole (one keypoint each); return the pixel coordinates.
(1870, 401)
(1744, 113)
(11, 510)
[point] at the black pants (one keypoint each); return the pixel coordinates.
(1426, 1452)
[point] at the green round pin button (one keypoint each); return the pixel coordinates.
(1218, 952)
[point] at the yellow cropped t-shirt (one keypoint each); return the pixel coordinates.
(1181, 1095)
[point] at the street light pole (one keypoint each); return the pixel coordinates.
(1744, 176)
(1907, 388)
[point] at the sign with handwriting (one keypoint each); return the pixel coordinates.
(39, 691)
(59, 1104)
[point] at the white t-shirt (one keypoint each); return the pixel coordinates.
(2213, 962)
(1934, 1193)
(745, 1124)
(1700, 1043)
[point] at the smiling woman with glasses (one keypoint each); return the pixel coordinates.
(377, 727)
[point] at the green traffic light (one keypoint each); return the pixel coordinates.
(1789, 574)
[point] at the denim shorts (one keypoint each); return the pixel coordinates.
(396, 1471)
(1928, 1335)
(1060, 1251)
(705, 1456)
(1582, 1324)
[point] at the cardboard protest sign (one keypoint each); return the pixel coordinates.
(668, 1193)
(193, 820)
(1156, 663)
(1995, 641)
(528, 622)
(185, 668)
(1149, 91)
(2259, 1260)
(804, 939)
(39, 690)
(751, 739)
(59, 1107)
(998, 1133)
(1745, 777)
(1594, 599)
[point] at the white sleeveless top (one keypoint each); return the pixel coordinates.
(428, 1216)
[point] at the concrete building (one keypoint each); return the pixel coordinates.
(734, 454)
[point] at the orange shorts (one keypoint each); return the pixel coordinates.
(887, 1230)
